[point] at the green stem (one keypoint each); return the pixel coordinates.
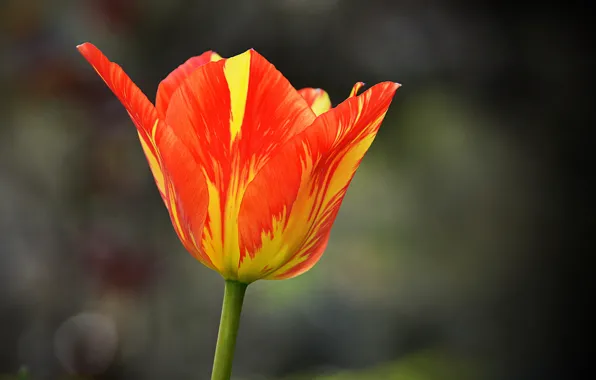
(228, 330)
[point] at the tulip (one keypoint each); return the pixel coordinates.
(252, 171)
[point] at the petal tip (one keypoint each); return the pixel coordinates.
(391, 86)
(249, 52)
(83, 46)
(88, 50)
(357, 87)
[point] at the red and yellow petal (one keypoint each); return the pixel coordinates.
(317, 99)
(170, 84)
(232, 115)
(140, 109)
(186, 198)
(252, 178)
(288, 210)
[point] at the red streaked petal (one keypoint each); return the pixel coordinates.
(232, 114)
(140, 109)
(317, 99)
(132, 98)
(175, 78)
(186, 194)
(289, 208)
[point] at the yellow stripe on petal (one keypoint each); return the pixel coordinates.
(215, 57)
(213, 235)
(154, 130)
(154, 166)
(237, 72)
(175, 215)
(274, 251)
(346, 168)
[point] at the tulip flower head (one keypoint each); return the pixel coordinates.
(252, 171)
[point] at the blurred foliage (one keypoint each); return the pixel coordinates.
(427, 365)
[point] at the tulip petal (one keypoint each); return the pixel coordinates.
(233, 114)
(140, 109)
(186, 194)
(317, 99)
(175, 78)
(289, 208)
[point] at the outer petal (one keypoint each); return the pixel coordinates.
(186, 194)
(317, 99)
(179, 179)
(175, 78)
(140, 109)
(288, 210)
(232, 114)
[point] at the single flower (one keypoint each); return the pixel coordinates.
(251, 171)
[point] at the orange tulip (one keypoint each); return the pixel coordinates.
(251, 171)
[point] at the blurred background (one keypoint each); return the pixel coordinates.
(446, 261)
